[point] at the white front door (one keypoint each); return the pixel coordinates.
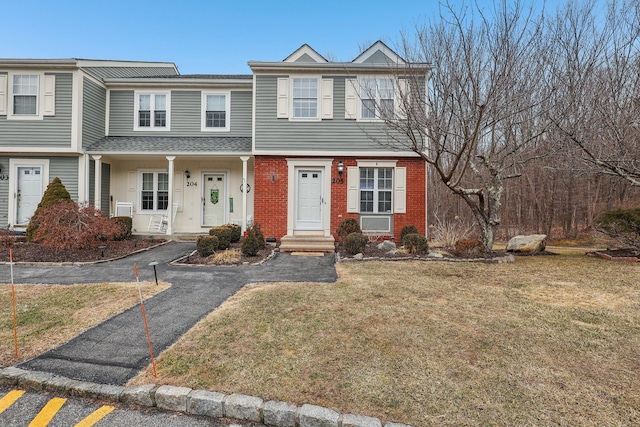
(29, 192)
(214, 199)
(309, 199)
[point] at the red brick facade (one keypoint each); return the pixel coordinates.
(270, 199)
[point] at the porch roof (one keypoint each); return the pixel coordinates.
(162, 145)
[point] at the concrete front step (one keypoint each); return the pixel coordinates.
(307, 244)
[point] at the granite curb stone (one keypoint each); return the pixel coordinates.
(196, 402)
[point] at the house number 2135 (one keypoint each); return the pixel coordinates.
(192, 184)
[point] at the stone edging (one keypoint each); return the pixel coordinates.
(613, 258)
(496, 260)
(195, 402)
(176, 263)
(100, 261)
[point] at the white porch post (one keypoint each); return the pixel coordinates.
(170, 199)
(244, 192)
(97, 196)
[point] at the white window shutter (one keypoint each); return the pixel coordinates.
(400, 193)
(49, 95)
(353, 182)
(3, 94)
(401, 98)
(327, 98)
(283, 98)
(350, 99)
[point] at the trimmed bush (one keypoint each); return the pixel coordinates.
(224, 235)
(56, 192)
(469, 248)
(408, 229)
(348, 226)
(125, 224)
(236, 232)
(415, 243)
(355, 243)
(250, 244)
(206, 245)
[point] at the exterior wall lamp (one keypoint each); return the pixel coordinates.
(187, 174)
(340, 168)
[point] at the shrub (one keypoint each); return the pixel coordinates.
(125, 224)
(65, 225)
(255, 230)
(355, 243)
(236, 232)
(224, 235)
(348, 226)
(469, 248)
(415, 243)
(622, 225)
(55, 192)
(250, 244)
(206, 245)
(448, 233)
(408, 229)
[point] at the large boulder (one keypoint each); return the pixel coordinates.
(531, 244)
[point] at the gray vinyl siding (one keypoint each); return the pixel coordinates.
(4, 192)
(337, 134)
(104, 185)
(185, 115)
(51, 131)
(94, 98)
(65, 168)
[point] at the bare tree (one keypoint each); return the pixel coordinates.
(477, 121)
(595, 65)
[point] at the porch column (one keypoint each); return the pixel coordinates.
(244, 192)
(97, 196)
(170, 199)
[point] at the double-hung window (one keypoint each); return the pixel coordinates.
(154, 194)
(377, 97)
(216, 111)
(305, 98)
(376, 190)
(26, 88)
(151, 111)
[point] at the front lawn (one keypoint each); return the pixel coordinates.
(542, 341)
(50, 315)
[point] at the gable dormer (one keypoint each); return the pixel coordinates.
(379, 53)
(305, 54)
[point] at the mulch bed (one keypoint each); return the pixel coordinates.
(371, 251)
(196, 259)
(33, 252)
(628, 254)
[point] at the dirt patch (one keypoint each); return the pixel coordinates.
(231, 256)
(33, 252)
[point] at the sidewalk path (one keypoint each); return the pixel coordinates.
(115, 351)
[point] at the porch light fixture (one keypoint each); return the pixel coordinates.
(187, 174)
(340, 168)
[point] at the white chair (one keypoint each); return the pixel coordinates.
(124, 209)
(159, 222)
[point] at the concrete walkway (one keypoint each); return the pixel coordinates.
(115, 351)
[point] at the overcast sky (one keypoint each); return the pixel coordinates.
(213, 37)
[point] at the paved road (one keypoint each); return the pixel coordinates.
(33, 404)
(116, 350)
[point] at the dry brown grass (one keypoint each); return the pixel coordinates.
(50, 315)
(548, 340)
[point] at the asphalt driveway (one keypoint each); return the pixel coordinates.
(115, 351)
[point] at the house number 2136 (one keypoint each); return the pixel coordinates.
(192, 184)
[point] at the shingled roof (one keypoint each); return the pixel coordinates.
(172, 145)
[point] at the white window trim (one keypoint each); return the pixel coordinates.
(136, 110)
(359, 98)
(319, 99)
(203, 113)
(155, 190)
(376, 191)
(41, 110)
(399, 192)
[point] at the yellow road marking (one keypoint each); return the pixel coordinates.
(9, 399)
(48, 412)
(95, 416)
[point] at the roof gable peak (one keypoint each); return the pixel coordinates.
(379, 52)
(305, 53)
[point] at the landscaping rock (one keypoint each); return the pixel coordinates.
(387, 245)
(435, 255)
(279, 414)
(208, 403)
(243, 407)
(351, 420)
(140, 395)
(172, 398)
(533, 243)
(317, 416)
(396, 425)
(358, 256)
